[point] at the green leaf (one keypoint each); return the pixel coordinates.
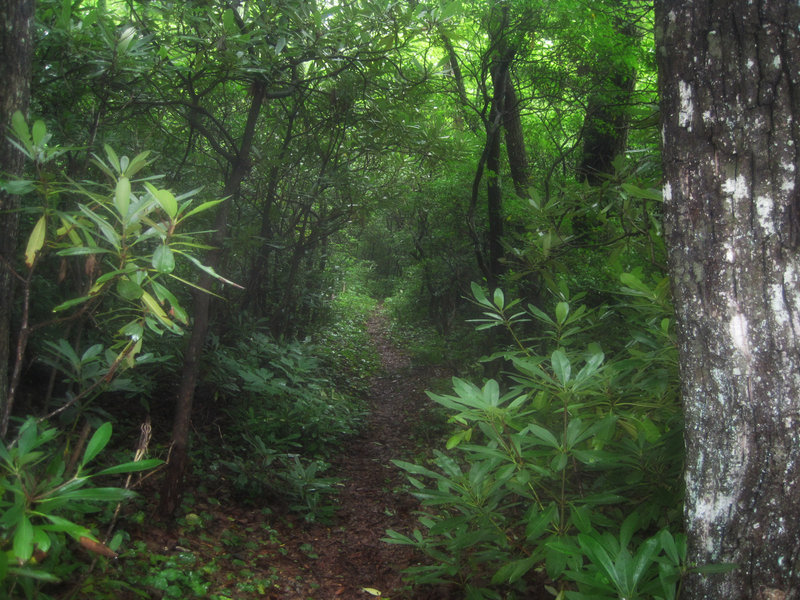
(129, 289)
(491, 393)
(643, 559)
(480, 295)
(668, 544)
(38, 132)
(36, 240)
(137, 164)
(153, 306)
(97, 443)
(22, 545)
(122, 196)
(543, 434)
(644, 194)
(132, 467)
(20, 128)
(71, 303)
(104, 494)
(163, 294)
(598, 555)
(165, 199)
(562, 310)
(163, 259)
(635, 285)
(561, 366)
(449, 10)
(201, 208)
(512, 571)
(112, 157)
(228, 22)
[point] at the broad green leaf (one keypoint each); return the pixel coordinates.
(36, 240)
(165, 198)
(538, 522)
(543, 435)
(129, 289)
(61, 524)
(668, 544)
(479, 295)
(122, 196)
(228, 22)
(17, 186)
(581, 518)
(163, 294)
(633, 282)
(163, 259)
(599, 556)
(512, 571)
(153, 306)
(20, 127)
(449, 10)
(499, 298)
(561, 366)
(644, 194)
(643, 559)
(112, 157)
(562, 310)
(22, 545)
(491, 393)
(38, 132)
(137, 164)
(98, 441)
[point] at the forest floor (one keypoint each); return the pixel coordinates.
(243, 552)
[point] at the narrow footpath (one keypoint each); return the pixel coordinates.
(348, 560)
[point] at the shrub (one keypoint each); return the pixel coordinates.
(570, 463)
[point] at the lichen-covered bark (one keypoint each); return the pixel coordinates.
(16, 50)
(730, 103)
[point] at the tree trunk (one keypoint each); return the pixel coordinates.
(515, 142)
(607, 120)
(730, 107)
(173, 483)
(16, 46)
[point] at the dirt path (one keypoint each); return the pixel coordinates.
(348, 556)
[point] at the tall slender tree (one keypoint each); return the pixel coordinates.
(730, 109)
(16, 47)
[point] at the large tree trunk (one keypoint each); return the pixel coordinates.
(16, 48)
(730, 104)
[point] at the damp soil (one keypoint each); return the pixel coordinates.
(249, 552)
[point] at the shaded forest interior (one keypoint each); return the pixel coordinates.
(219, 217)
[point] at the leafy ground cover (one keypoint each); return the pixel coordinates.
(224, 548)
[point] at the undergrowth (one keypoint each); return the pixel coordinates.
(564, 470)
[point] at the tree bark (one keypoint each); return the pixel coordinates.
(173, 482)
(16, 46)
(730, 110)
(515, 142)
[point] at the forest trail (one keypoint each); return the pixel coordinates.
(339, 560)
